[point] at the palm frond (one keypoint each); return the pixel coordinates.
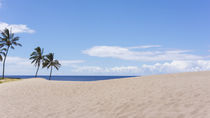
(18, 44)
(8, 39)
(56, 64)
(15, 39)
(45, 64)
(5, 33)
(12, 47)
(37, 56)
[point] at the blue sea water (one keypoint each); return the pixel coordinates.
(72, 78)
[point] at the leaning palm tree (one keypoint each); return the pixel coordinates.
(8, 40)
(37, 58)
(49, 62)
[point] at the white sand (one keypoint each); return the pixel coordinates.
(184, 95)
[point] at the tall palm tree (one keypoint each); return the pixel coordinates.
(37, 58)
(8, 40)
(49, 62)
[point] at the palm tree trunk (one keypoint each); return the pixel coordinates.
(37, 71)
(5, 62)
(50, 73)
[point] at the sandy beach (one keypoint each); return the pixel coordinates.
(182, 95)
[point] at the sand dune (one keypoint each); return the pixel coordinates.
(183, 95)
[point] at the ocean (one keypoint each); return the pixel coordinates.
(72, 78)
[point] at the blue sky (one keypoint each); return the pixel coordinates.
(110, 37)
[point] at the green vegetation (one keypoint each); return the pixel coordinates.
(49, 62)
(8, 80)
(37, 58)
(7, 41)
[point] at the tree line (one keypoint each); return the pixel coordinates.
(8, 41)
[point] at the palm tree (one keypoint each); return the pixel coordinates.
(8, 40)
(37, 58)
(49, 62)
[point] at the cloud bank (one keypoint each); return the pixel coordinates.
(177, 66)
(23, 66)
(157, 68)
(146, 56)
(16, 28)
(160, 61)
(144, 47)
(14, 66)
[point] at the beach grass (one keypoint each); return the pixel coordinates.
(8, 80)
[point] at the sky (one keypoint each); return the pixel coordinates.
(110, 37)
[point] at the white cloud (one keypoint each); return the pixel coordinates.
(176, 66)
(145, 46)
(27, 62)
(177, 51)
(23, 66)
(18, 61)
(16, 28)
(125, 69)
(88, 69)
(18, 66)
(116, 70)
(157, 68)
(128, 54)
